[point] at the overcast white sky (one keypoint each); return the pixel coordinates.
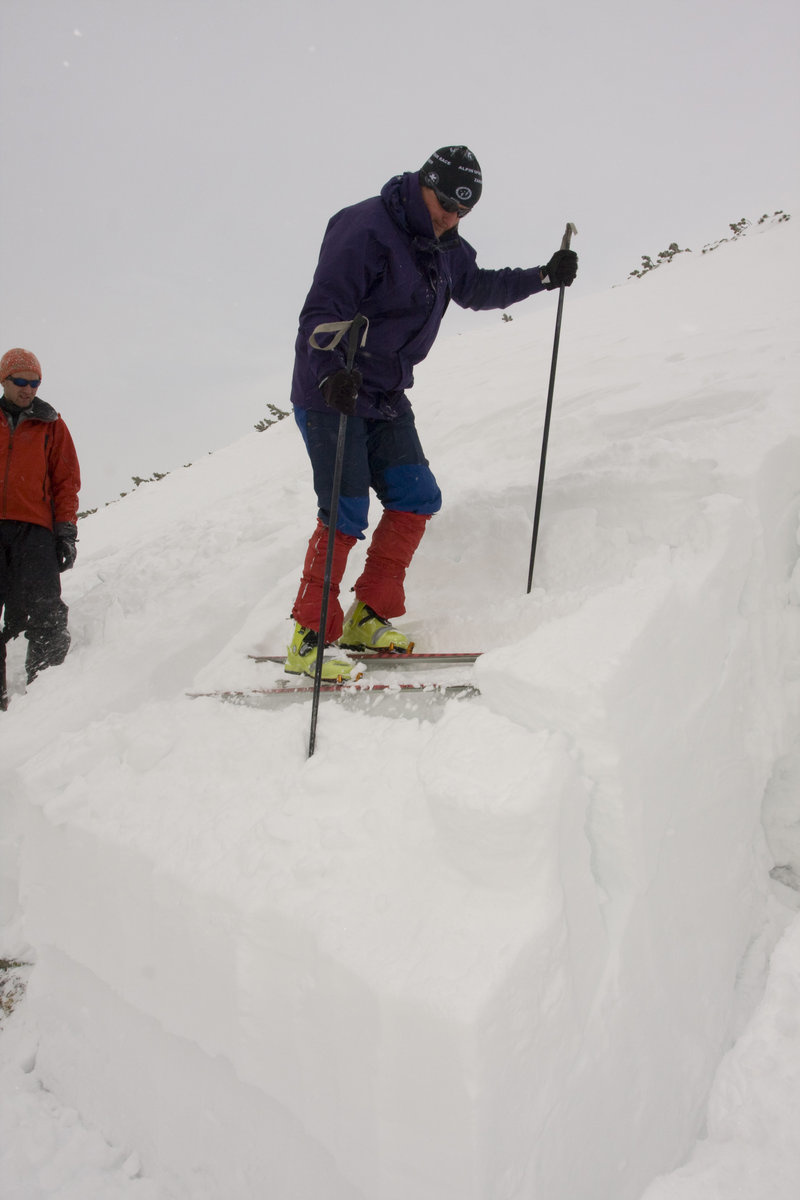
(168, 168)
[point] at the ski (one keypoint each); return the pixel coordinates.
(405, 698)
(341, 689)
(385, 659)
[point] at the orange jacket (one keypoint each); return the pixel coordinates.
(39, 473)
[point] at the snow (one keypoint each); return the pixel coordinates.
(543, 942)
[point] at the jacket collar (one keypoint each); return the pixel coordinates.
(38, 410)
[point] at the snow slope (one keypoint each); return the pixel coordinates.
(518, 951)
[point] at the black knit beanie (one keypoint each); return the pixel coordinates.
(455, 172)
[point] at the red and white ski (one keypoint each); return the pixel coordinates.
(385, 659)
(400, 696)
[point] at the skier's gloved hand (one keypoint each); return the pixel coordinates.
(66, 550)
(561, 270)
(341, 390)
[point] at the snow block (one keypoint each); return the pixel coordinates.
(436, 981)
(499, 956)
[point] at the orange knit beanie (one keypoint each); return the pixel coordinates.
(19, 360)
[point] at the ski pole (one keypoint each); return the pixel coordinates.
(353, 329)
(565, 241)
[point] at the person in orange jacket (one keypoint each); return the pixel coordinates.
(39, 485)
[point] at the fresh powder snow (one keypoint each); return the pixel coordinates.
(541, 944)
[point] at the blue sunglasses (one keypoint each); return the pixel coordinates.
(21, 383)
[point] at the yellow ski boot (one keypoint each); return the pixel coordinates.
(301, 659)
(365, 630)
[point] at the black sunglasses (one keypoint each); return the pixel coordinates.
(20, 383)
(450, 206)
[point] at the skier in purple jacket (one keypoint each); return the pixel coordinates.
(399, 260)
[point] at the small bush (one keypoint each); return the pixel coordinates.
(276, 414)
(663, 256)
(12, 985)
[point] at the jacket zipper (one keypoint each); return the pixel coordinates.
(8, 470)
(45, 473)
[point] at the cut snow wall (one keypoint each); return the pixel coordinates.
(673, 776)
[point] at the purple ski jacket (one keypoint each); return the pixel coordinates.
(381, 258)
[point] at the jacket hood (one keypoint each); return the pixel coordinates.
(402, 196)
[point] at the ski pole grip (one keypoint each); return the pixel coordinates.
(338, 329)
(567, 238)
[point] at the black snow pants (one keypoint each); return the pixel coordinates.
(30, 597)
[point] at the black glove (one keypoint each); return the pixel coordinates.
(66, 550)
(341, 390)
(561, 270)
